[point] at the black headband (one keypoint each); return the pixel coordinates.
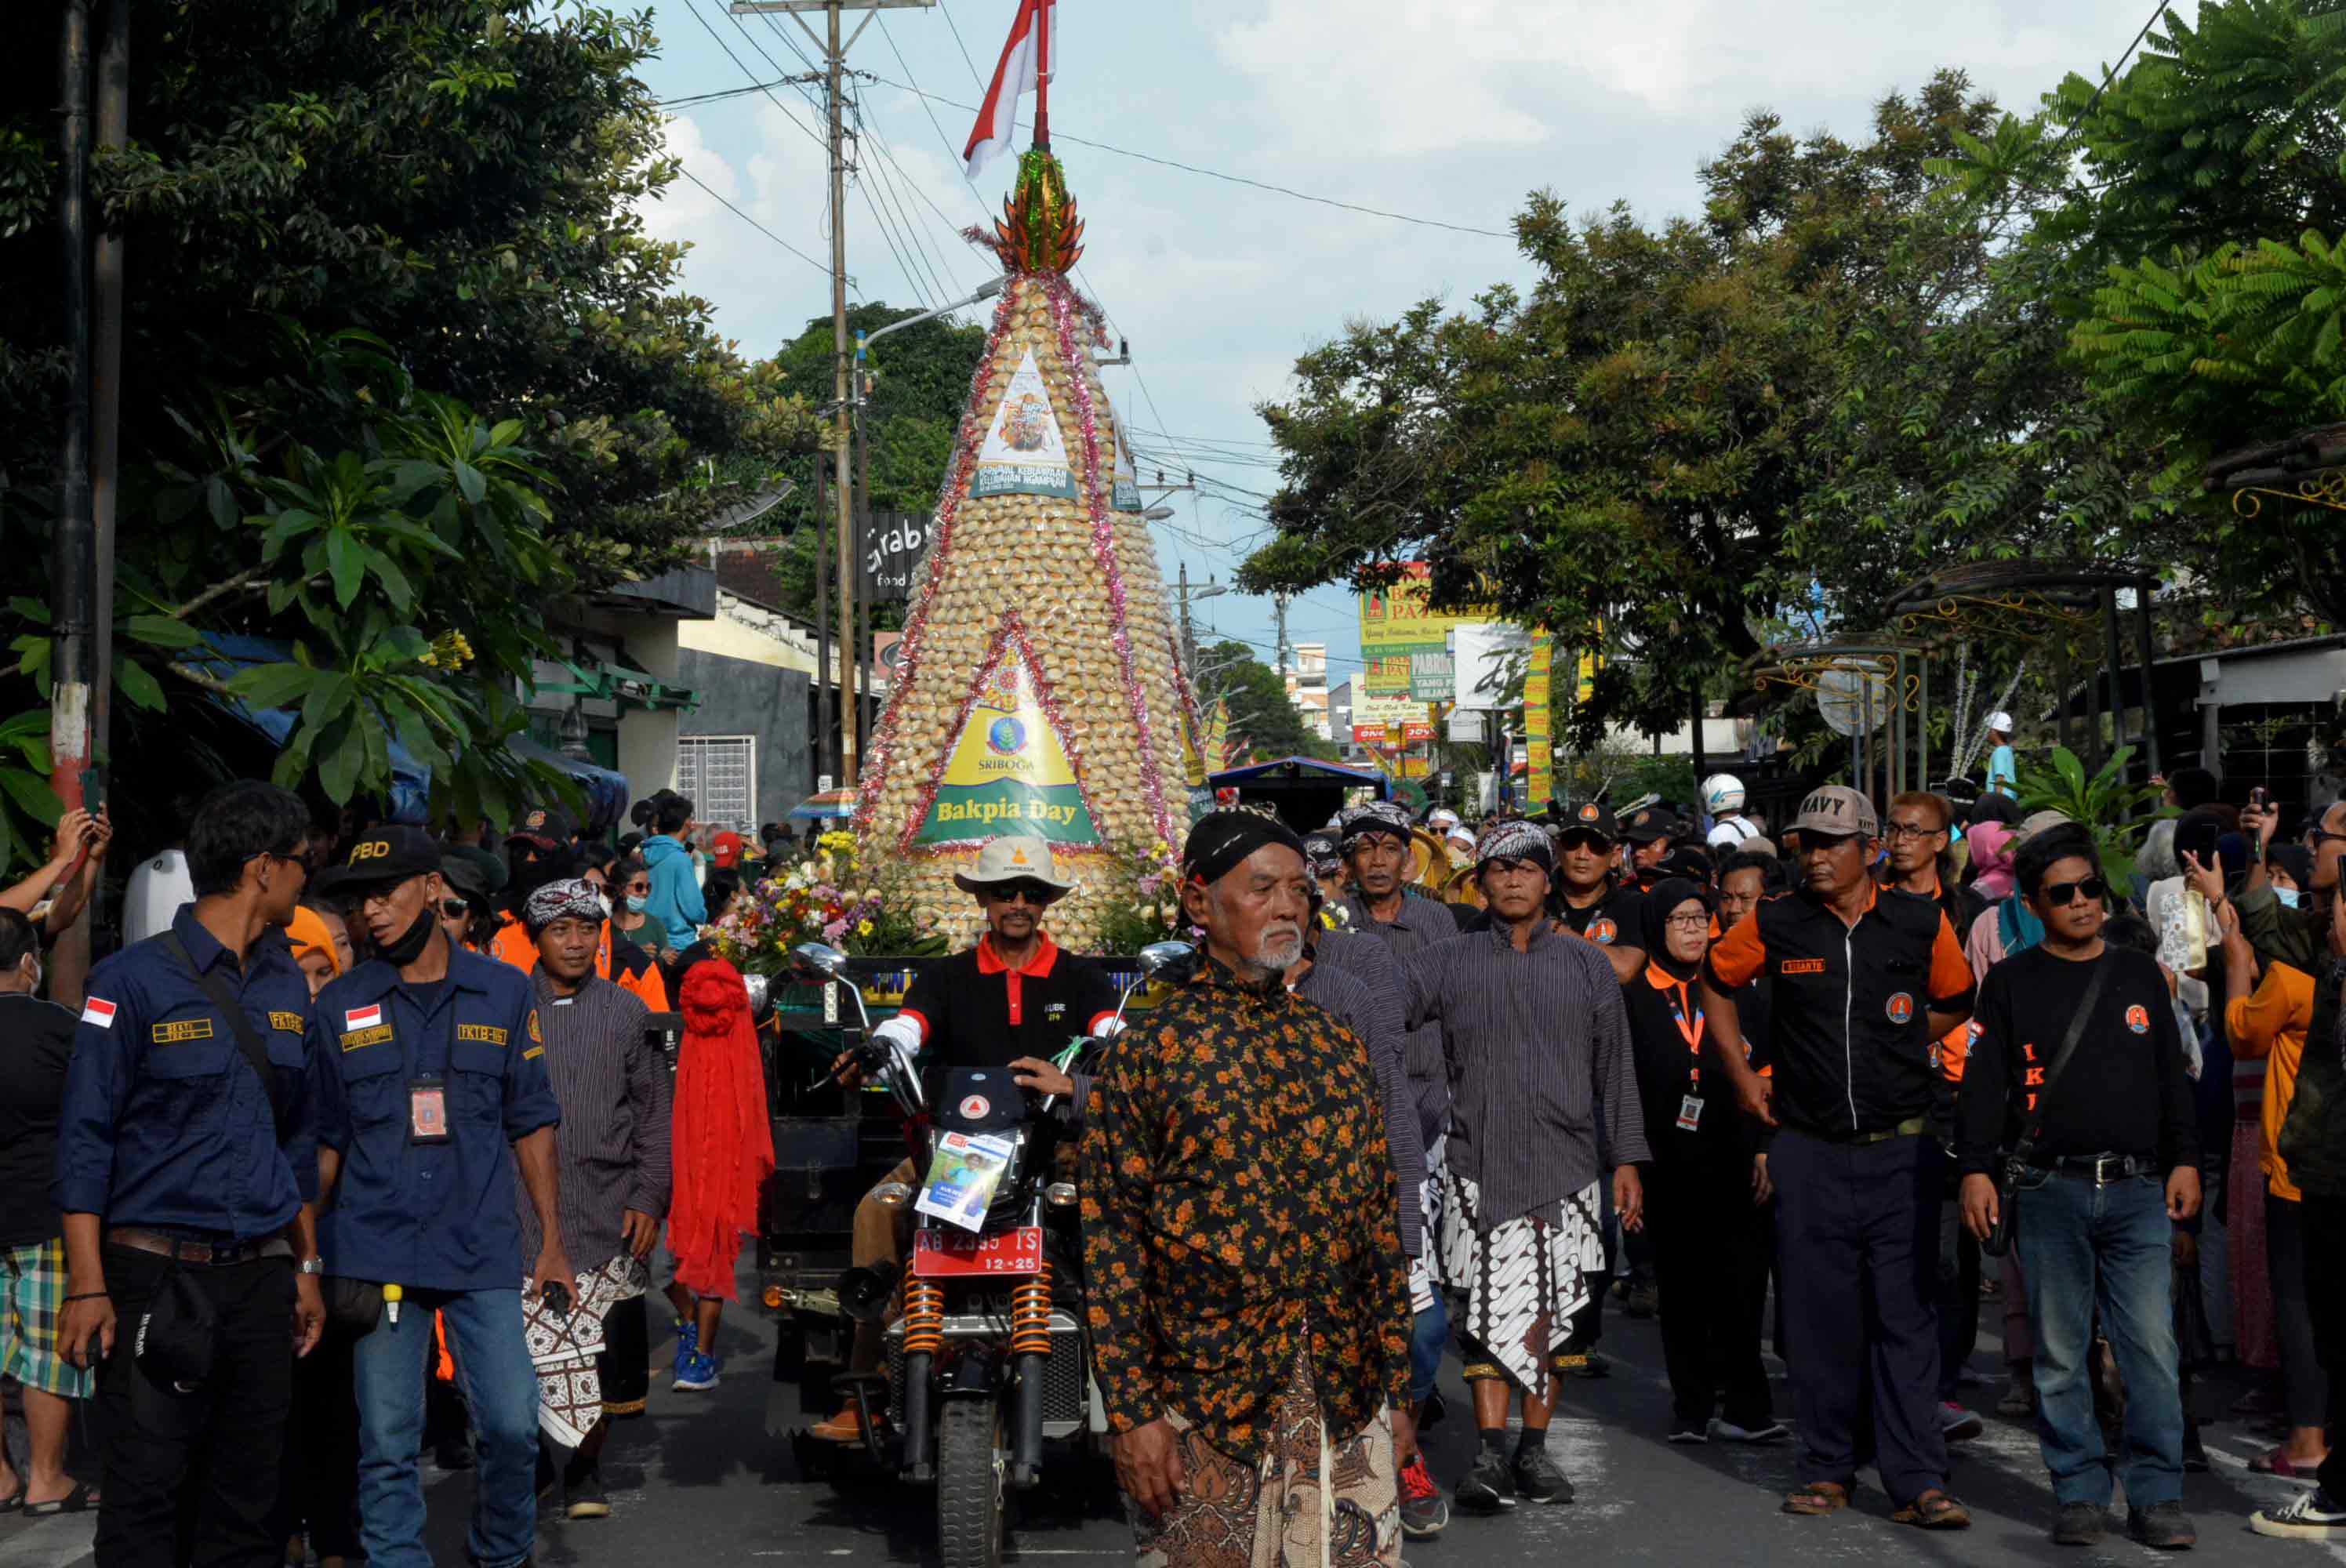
(1222, 840)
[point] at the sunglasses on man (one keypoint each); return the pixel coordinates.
(1033, 894)
(2061, 895)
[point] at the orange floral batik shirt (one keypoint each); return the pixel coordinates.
(1239, 1207)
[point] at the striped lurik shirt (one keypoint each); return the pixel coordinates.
(1421, 922)
(617, 1099)
(1358, 981)
(1531, 1039)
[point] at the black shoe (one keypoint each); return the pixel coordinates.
(2195, 1453)
(2164, 1525)
(454, 1453)
(1489, 1487)
(584, 1499)
(2081, 1525)
(1645, 1299)
(1429, 1414)
(1537, 1480)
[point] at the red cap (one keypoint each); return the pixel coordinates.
(726, 849)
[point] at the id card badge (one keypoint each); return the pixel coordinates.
(1690, 1112)
(427, 1111)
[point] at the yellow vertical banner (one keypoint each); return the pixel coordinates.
(1538, 721)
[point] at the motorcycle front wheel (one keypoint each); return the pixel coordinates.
(969, 1484)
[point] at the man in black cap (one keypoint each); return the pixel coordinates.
(1649, 832)
(1595, 903)
(433, 1091)
(187, 1157)
(1251, 1323)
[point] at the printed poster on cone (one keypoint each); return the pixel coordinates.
(1024, 453)
(1007, 773)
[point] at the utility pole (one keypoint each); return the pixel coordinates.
(1278, 614)
(850, 552)
(1210, 589)
(73, 561)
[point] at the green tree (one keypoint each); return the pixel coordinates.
(327, 208)
(1624, 453)
(1262, 713)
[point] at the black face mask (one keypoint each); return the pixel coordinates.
(410, 947)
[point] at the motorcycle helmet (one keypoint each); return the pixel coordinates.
(1722, 792)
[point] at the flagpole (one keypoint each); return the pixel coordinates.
(1043, 9)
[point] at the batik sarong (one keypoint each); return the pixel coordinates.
(1523, 1280)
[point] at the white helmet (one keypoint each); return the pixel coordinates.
(1722, 792)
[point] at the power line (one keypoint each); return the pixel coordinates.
(1232, 179)
(718, 95)
(744, 67)
(819, 265)
(975, 80)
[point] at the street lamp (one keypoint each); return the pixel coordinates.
(1157, 514)
(986, 290)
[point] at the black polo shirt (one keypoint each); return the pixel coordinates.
(1849, 1029)
(973, 1011)
(1617, 917)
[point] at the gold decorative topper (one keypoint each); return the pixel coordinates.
(1039, 231)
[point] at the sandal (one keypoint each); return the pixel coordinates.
(1817, 1499)
(1934, 1510)
(13, 1502)
(77, 1501)
(2279, 1463)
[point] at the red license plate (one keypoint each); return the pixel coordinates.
(944, 1253)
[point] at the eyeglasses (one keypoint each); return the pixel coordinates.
(1912, 830)
(456, 909)
(1689, 921)
(2059, 895)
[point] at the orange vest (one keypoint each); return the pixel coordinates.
(512, 944)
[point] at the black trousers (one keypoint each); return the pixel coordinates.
(319, 1493)
(192, 1479)
(2324, 1220)
(1857, 1232)
(1958, 1295)
(1710, 1260)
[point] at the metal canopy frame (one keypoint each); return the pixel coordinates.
(1902, 665)
(2039, 603)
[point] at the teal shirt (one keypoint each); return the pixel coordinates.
(2002, 773)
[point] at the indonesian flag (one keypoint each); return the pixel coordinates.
(97, 1010)
(366, 1017)
(1027, 58)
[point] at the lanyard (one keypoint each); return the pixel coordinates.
(1673, 992)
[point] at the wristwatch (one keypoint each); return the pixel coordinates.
(310, 1266)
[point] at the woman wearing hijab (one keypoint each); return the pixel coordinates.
(1709, 1235)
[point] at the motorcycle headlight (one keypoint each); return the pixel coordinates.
(1060, 1195)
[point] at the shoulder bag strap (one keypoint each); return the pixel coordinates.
(247, 1039)
(2069, 1041)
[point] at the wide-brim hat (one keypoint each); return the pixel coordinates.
(1014, 860)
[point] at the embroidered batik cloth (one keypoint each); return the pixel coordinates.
(1310, 1501)
(1523, 1280)
(563, 1347)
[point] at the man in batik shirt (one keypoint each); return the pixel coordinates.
(1248, 1295)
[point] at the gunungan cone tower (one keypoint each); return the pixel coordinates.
(1035, 694)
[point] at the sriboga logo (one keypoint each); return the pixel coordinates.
(1007, 737)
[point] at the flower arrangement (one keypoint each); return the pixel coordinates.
(1142, 901)
(828, 897)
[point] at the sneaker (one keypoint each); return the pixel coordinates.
(1423, 1511)
(2019, 1394)
(1537, 1478)
(1489, 1487)
(2309, 1516)
(688, 1343)
(1687, 1432)
(698, 1372)
(2162, 1524)
(1957, 1424)
(584, 1499)
(1730, 1433)
(2081, 1525)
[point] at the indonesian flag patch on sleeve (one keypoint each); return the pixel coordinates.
(97, 1010)
(363, 1017)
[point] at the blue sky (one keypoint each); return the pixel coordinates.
(1448, 111)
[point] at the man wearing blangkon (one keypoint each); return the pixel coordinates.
(1249, 1302)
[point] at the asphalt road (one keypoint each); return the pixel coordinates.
(698, 1480)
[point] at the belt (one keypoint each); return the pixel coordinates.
(2099, 1169)
(212, 1254)
(1911, 1127)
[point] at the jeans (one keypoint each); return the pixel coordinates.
(1429, 1336)
(492, 1364)
(2085, 1245)
(192, 1478)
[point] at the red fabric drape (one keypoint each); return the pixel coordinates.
(723, 1145)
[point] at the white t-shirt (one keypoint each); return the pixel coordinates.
(157, 890)
(1728, 832)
